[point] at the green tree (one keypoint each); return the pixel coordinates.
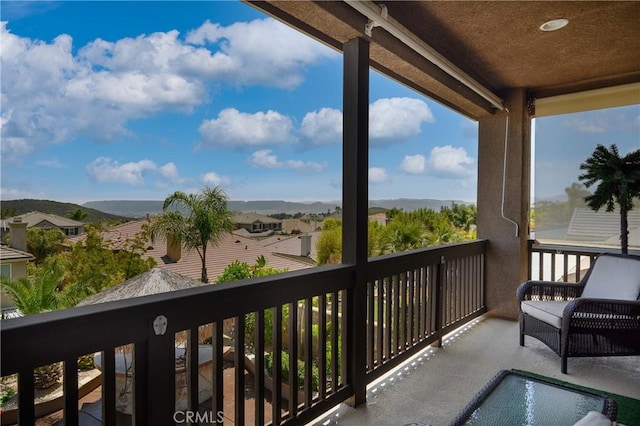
(78, 215)
(93, 266)
(618, 182)
(207, 219)
(39, 291)
(403, 235)
(329, 245)
(43, 242)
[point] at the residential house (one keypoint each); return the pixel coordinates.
(256, 223)
(303, 224)
(41, 220)
(14, 257)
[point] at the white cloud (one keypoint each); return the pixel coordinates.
(450, 162)
(12, 149)
(322, 127)
(233, 128)
(53, 92)
(262, 51)
(213, 178)
(53, 163)
(443, 161)
(169, 171)
(393, 120)
(413, 164)
(584, 125)
(378, 175)
(265, 158)
(104, 169)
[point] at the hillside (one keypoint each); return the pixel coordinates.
(17, 207)
(132, 208)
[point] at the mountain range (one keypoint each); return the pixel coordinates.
(132, 208)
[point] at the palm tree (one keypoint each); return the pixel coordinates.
(39, 292)
(618, 180)
(207, 218)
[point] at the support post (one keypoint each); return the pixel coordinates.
(355, 198)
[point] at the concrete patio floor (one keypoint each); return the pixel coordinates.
(435, 385)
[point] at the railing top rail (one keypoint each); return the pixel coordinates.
(571, 249)
(420, 257)
(125, 321)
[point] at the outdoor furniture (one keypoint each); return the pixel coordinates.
(511, 398)
(599, 316)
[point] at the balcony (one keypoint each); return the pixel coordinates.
(344, 327)
(412, 301)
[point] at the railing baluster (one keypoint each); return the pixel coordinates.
(371, 323)
(322, 346)
(26, 396)
(140, 394)
(239, 370)
(276, 374)
(192, 368)
(259, 371)
(308, 352)
(109, 386)
(410, 316)
(293, 360)
(334, 342)
(396, 314)
(70, 391)
(402, 341)
(381, 322)
(218, 374)
(388, 341)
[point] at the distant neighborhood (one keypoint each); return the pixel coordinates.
(282, 241)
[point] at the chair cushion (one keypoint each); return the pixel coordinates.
(614, 278)
(593, 418)
(549, 311)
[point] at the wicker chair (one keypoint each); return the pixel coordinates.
(599, 316)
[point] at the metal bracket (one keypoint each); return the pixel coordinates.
(160, 325)
(370, 25)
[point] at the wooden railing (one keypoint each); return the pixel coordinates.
(294, 322)
(552, 262)
(414, 299)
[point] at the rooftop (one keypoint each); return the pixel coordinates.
(232, 247)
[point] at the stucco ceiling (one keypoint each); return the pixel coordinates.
(498, 43)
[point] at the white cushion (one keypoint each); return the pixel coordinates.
(613, 278)
(549, 311)
(593, 418)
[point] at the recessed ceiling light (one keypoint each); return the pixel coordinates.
(554, 24)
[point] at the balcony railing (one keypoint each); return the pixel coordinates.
(293, 322)
(554, 262)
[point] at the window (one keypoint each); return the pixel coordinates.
(5, 270)
(561, 144)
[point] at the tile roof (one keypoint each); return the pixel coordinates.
(290, 245)
(245, 218)
(232, 247)
(34, 218)
(9, 253)
(601, 225)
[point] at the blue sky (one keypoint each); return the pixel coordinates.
(135, 100)
(565, 141)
